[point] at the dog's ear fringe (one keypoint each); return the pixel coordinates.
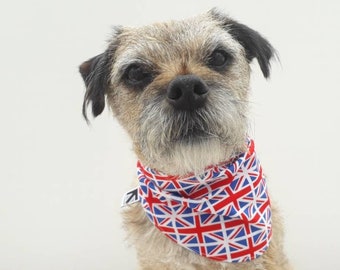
(96, 75)
(254, 44)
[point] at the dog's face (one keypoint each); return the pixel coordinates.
(180, 88)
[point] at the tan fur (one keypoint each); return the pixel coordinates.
(171, 49)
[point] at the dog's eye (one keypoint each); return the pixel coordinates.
(219, 59)
(138, 76)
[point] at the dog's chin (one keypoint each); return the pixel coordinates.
(192, 153)
(193, 137)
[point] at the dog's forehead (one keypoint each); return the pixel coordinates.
(168, 40)
(172, 31)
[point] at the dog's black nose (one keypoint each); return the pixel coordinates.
(187, 92)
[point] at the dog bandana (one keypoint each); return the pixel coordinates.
(223, 214)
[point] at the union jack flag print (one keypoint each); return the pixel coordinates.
(223, 214)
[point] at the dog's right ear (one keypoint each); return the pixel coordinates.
(96, 73)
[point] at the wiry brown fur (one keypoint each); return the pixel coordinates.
(162, 137)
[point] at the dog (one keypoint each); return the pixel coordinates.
(180, 89)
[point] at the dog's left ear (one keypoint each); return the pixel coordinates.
(254, 44)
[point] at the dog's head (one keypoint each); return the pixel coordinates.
(180, 88)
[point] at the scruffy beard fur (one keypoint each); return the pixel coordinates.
(180, 141)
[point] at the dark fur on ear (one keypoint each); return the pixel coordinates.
(95, 72)
(254, 44)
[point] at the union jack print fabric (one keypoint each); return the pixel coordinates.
(223, 214)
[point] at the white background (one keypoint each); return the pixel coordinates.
(61, 181)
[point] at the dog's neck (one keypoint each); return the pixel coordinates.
(193, 158)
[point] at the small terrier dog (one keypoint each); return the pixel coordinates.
(180, 89)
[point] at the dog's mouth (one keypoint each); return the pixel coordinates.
(189, 141)
(194, 132)
(191, 127)
(165, 127)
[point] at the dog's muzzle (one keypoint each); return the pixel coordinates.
(187, 92)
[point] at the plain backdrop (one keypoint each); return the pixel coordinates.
(61, 181)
